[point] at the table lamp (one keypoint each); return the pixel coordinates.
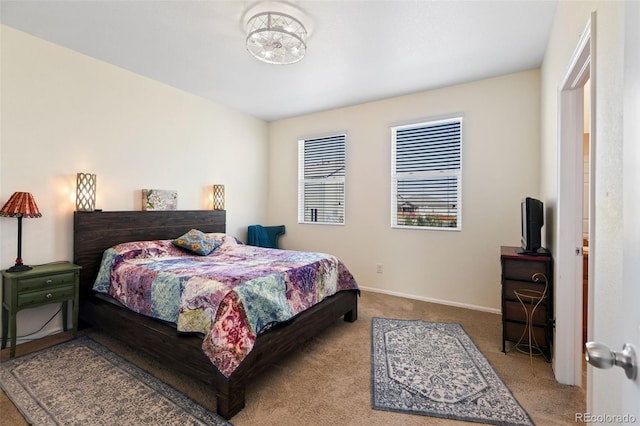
(21, 204)
(218, 197)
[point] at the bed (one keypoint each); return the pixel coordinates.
(95, 232)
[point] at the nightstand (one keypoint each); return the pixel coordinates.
(42, 285)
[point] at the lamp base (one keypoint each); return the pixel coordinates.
(19, 268)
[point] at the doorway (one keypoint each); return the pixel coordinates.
(575, 160)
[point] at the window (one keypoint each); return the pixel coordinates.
(321, 177)
(426, 175)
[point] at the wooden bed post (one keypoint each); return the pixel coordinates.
(352, 315)
(230, 400)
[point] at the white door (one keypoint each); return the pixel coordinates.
(619, 401)
(631, 203)
(616, 397)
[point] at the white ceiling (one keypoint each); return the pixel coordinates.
(358, 51)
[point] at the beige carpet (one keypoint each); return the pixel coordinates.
(328, 381)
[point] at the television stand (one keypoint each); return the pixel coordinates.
(518, 272)
(540, 252)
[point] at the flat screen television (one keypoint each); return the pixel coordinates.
(532, 220)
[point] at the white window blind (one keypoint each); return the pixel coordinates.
(321, 179)
(426, 175)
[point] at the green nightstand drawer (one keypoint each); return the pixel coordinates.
(44, 282)
(46, 296)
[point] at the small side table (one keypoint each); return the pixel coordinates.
(42, 285)
(530, 299)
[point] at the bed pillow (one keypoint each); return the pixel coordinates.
(196, 242)
(223, 239)
(142, 249)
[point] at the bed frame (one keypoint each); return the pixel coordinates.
(94, 232)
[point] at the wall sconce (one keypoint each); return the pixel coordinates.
(86, 192)
(218, 197)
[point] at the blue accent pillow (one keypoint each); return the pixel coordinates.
(196, 242)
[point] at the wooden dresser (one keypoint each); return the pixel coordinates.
(517, 274)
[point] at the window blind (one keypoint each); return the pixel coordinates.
(426, 175)
(321, 179)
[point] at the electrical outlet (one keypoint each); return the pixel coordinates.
(379, 268)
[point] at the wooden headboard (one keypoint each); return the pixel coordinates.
(94, 232)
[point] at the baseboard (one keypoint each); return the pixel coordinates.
(430, 300)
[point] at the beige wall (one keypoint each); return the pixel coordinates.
(63, 113)
(500, 167)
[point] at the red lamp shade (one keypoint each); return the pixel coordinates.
(21, 204)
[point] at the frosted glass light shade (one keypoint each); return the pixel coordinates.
(218, 197)
(86, 192)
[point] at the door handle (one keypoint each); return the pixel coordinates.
(599, 355)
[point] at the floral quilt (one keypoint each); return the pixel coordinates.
(230, 295)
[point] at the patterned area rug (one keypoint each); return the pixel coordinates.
(435, 369)
(80, 382)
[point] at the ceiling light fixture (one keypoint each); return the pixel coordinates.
(276, 38)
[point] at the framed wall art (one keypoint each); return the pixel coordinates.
(159, 199)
